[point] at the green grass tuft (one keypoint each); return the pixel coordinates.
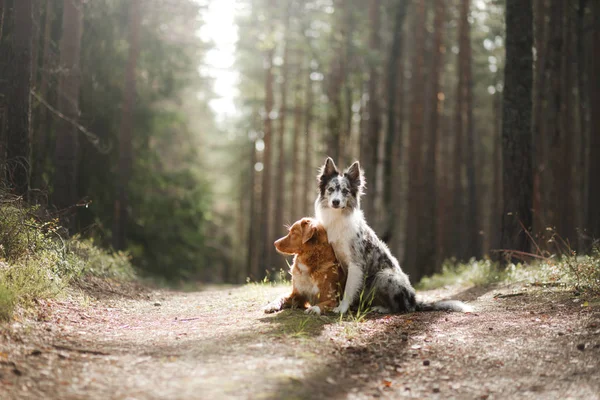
(475, 272)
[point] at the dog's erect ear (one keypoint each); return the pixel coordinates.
(354, 173)
(329, 168)
(308, 230)
(326, 172)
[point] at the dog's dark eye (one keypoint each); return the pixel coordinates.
(345, 192)
(330, 190)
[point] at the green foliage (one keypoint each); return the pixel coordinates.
(36, 262)
(169, 196)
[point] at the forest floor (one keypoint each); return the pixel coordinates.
(121, 343)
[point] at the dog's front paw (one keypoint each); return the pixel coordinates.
(380, 310)
(342, 308)
(272, 307)
(316, 310)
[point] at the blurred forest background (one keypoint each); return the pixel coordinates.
(105, 121)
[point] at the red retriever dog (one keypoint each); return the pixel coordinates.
(317, 277)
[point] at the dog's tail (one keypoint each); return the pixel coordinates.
(446, 305)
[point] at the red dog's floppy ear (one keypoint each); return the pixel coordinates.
(308, 230)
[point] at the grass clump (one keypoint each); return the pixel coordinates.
(36, 262)
(579, 272)
(475, 272)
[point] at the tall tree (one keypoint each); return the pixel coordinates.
(393, 137)
(370, 138)
(541, 45)
(458, 205)
(309, 170)
(43, 122)
(253, 226)
(126, 129)
(279, 176)
(266, 233)
(516, 128)
(429, 245)
(556, 138)
(18, 107)
(65, 155)
(297, 194)
(416, 136)
(334, 86)
(473, 238)
(594, 156)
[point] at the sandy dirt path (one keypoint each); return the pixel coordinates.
(521, 342)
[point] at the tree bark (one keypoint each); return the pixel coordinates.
(252, 269)
(370, 140)
(65, 155)
(43, 124)
(18, 105)
(429, 244)
(393, 137)
(297, 194)
(266, 211)
(539, 157)
(458, 208)
(594, 156)
(415, 162)
(279, 187)
(473, 242)
(309, 167)
(516, 128)
(121, 211)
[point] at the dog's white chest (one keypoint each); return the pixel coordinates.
(304, 283)
(341, 231)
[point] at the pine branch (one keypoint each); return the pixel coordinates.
(90, 136)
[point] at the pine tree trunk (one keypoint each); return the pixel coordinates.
(310, 171)
(393, 137)
(538, 107)
(473, 242)
(126, 130)
(18, 106)
(369, 141)
(65, 154)
(266, 211)
(429, 245)
(280, 172)
(460, 234)
(584, 115)
(43, 123)
(516, 128)
(252, 270)
(594, 156)
(496, 215)
(566, 210)
(415, 162)
(556, 137)
(297, 194)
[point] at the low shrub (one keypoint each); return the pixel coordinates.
(37, 262)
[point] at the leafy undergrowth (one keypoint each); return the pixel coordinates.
(36, 262)
(581, 273)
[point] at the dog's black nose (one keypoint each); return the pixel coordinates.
(335, 203)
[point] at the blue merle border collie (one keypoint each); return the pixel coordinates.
(368, 260)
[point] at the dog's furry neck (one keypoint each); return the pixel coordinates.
(319, 257)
